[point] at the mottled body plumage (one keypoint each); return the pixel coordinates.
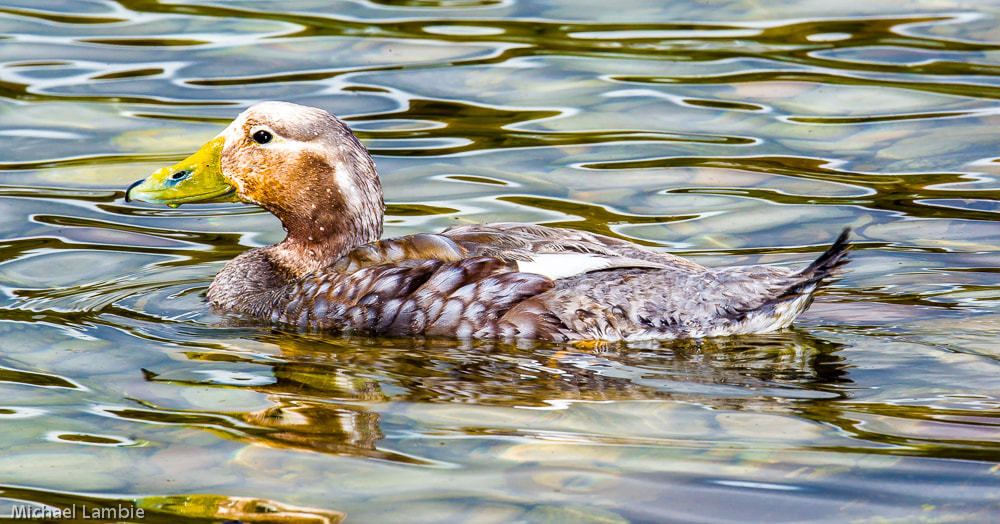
(500, 280)
(451, 285)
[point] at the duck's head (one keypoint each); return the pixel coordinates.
(300, 163)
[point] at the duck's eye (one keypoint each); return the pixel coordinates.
(263, 136)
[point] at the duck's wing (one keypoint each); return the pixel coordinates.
(553, 252)
(405, 251)
(466, 298)
(460, 282)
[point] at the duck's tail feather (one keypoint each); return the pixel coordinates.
(821, 270)
(782, 308)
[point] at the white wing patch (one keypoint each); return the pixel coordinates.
(565, 265)
(562, 265)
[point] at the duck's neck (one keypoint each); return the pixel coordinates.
(305, 250)
(324, 221)
(330, 216)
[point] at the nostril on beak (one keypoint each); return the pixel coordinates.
(180, 175)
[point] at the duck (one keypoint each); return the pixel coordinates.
(335, 273)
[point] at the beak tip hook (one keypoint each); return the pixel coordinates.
(128, 198)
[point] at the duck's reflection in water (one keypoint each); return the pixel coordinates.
(328, 392)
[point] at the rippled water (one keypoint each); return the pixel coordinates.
(730, 131)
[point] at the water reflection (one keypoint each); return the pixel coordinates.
(325, 391)
(531, 373)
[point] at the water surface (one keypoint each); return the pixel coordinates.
(730, 132)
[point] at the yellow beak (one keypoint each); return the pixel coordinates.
(197, 178)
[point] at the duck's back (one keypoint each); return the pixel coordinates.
(549, 251)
